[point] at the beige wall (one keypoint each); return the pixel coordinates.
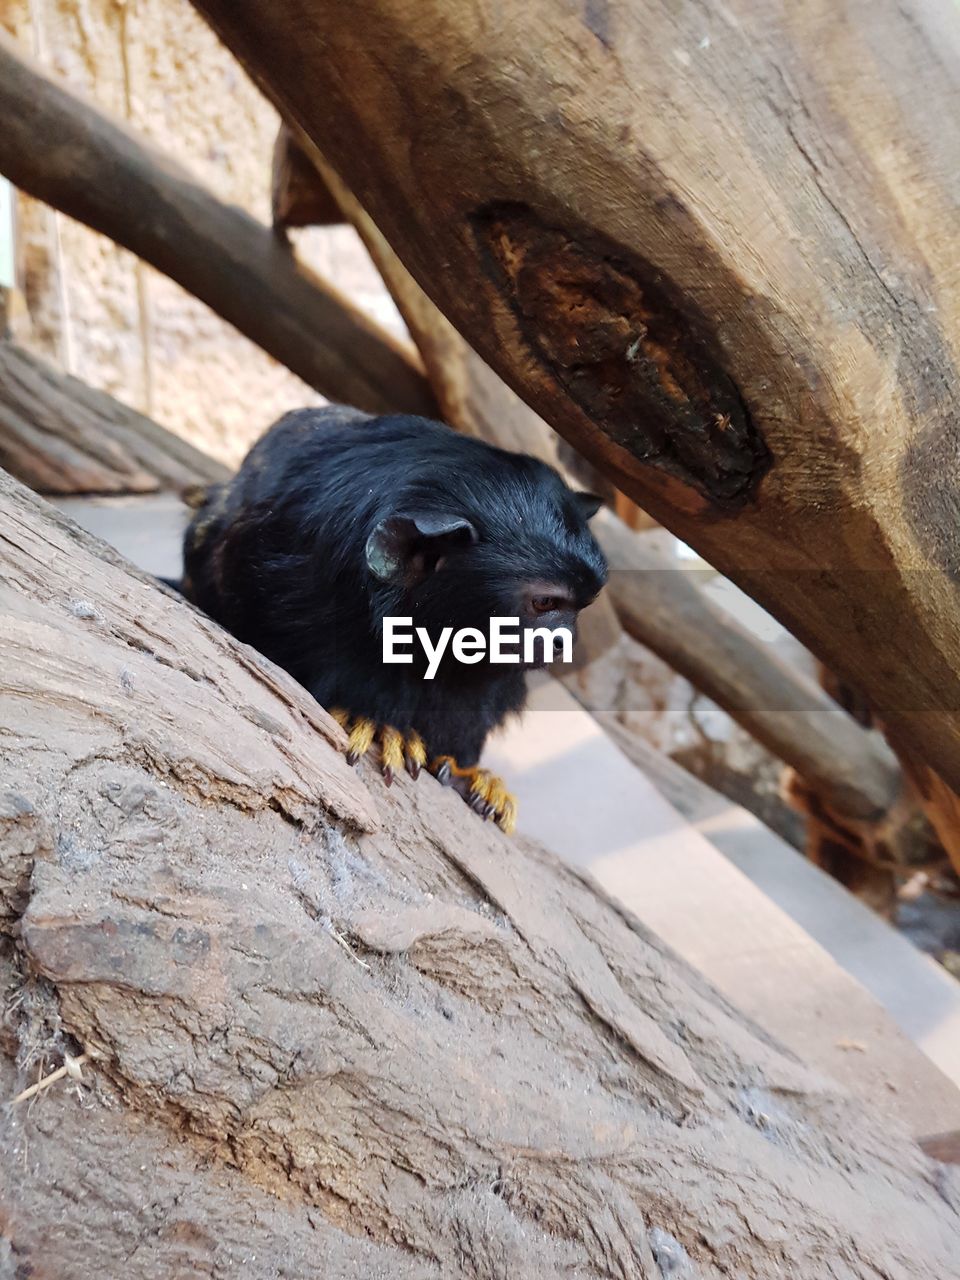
(94, 308)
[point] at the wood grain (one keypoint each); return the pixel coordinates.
(59, 435)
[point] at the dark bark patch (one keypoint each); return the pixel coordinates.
(634, 354)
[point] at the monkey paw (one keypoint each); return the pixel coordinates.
(483, 791)
(397, 750)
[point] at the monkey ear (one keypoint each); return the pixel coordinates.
(589, 504)
(409, 544)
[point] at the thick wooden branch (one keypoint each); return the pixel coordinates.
(65, 152)
(58, 435)
(432, 1046)
(714, 248)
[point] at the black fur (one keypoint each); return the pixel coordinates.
(282, 557)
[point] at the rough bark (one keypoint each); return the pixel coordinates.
(101, 174)
(58, 435)
(442, 1051)
(714, 249)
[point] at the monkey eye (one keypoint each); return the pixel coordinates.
(546, 604)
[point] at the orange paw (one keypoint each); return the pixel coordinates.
(397, 750)
(483, 791)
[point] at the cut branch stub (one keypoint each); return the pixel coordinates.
(298, 195)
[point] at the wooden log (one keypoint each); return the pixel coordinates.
(666, 609)
(298, 195)
(58, 435)
(65, 152)
(713, 248)
(351, 1030)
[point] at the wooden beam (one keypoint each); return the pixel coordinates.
(665, 608)
(714, 247)
(59, 435)
(62, 150)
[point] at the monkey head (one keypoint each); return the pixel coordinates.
(506, 538)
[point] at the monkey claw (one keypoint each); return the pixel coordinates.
(483, 791)
(397, 750)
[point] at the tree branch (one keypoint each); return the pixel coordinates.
(63, 151)
(518, 1080)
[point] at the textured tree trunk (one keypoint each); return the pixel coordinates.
(337, 1030)
(715, 248)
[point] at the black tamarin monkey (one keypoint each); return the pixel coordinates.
(337, 520)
